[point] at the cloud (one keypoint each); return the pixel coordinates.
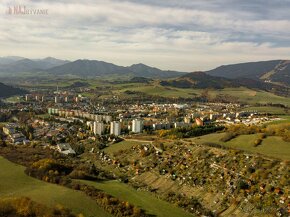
(182, 35)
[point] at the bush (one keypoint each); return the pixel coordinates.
(25, 207)
(257, 142)
(228, 136)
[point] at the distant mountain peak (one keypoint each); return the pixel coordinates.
(92, 68)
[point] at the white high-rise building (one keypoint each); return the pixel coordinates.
(187, 120)
(115, 128)
(98, 128)
(107, 118)
(137, 126)
(56, 99)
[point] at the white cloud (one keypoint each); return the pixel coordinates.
(123, 32)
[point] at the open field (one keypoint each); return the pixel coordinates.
(271, 146)
(251, 96)
(120, 146)
(13, 99)
(244, 95)
(284, 119)
(144, 200)
(161, 91)
(14, 183)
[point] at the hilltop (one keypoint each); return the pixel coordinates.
(95, 68)
(201, 80)
(268, 71)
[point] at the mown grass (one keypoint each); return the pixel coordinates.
(161, 91)
(15, 183)
(142, 199)
(272, 146)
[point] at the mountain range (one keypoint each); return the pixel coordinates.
(273, 71)
(93, 68)
(80, 68)
(18, 65)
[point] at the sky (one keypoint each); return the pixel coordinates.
(183, 35)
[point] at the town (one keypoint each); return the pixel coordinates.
(183, 143)
(146, 108)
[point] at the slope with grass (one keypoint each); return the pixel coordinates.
(144, 200)
(271, 146)
(124, 145)
(242, 94)
(15, 183)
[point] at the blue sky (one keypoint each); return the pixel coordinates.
(185, 35)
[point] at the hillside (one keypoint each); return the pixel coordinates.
(95, 68)
(15, 182)
(269, 71)
(201, 80)
(7, 91)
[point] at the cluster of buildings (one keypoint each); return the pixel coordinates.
(52, 98)
(97, 122)
(79, 114)
(13, 134)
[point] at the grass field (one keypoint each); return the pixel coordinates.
(14, 183)
(284, 119)
(251, 96)
(271, 146)
(13, 99)
(141, 199)
(242, 94)
(120, 146)
(161, 91)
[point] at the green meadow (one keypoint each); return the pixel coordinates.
(15, 183)
(272, 146)
(124, 145)
(142, 199)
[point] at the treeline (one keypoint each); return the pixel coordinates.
(25, 207)
(187, 132)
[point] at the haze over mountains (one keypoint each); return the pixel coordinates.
(273, 71)
(79, 68)
(18, 65)
(94, 68)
